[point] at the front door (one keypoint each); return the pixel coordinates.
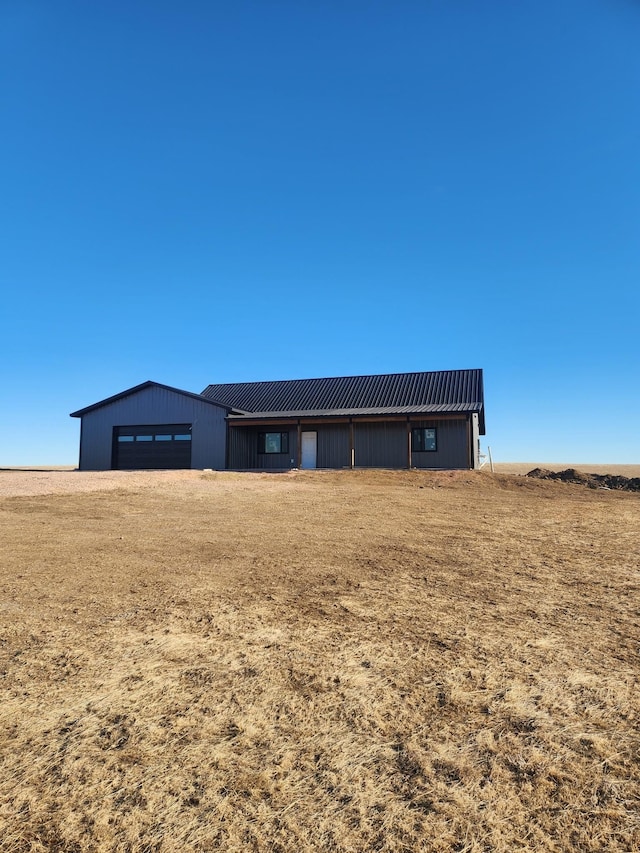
(309, 449)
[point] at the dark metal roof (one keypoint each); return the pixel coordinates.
(440, 391)
(148, 384)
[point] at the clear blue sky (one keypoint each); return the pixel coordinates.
(212, 191)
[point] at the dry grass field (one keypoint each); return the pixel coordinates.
(347, 661)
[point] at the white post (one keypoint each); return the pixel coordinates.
(490, 459)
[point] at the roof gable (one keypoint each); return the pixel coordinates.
(144, 385)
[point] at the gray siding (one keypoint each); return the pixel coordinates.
(154, 405)
(451, 438)
(333, 445)
(381, 445)
(377, 445)
(243, 449)
(238, 451)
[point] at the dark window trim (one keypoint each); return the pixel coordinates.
(262, 443)
(418, 440)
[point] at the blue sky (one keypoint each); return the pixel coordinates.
(207, 192)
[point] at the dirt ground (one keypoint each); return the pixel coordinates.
(339, 661)
(586, 467)
(66, 479)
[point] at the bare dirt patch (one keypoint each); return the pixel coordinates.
(344, 661)
(603, 468)
(593, 481)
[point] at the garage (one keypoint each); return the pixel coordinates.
(156, 446)
(153, 426)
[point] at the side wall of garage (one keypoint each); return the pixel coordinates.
(154, 405)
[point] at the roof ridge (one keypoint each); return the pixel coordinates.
(354, 376)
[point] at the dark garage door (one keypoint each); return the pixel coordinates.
(157, 446)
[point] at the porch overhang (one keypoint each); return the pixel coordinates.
(308, 418)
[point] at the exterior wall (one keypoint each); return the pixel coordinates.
(243, 449)
(334, 448)
(378, 444)
(154, 406)
(238, 452)
(451, 441)
(381, 445)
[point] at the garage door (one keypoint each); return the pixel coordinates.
(157, 446)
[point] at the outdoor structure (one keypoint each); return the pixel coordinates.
(401, 420)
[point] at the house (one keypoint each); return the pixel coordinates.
(400, 420)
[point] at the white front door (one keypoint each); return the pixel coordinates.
(309, 449)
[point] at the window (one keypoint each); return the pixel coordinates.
(185, 437)
(423, 439)
(273, 442)
(125, 438)
(144, 438)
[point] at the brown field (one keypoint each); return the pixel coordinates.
(346, 661)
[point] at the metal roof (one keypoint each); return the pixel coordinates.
(205, 399)
(440, 391)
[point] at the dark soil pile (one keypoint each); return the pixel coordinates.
(593, 481)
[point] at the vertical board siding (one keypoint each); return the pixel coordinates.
(377, 445)
(243, 449)
(154, 406)
(333, 446)
(238, 455)
(451, 438)
(381, 445)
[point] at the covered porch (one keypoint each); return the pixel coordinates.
(401, 441)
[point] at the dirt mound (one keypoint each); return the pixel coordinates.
(593, 481)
